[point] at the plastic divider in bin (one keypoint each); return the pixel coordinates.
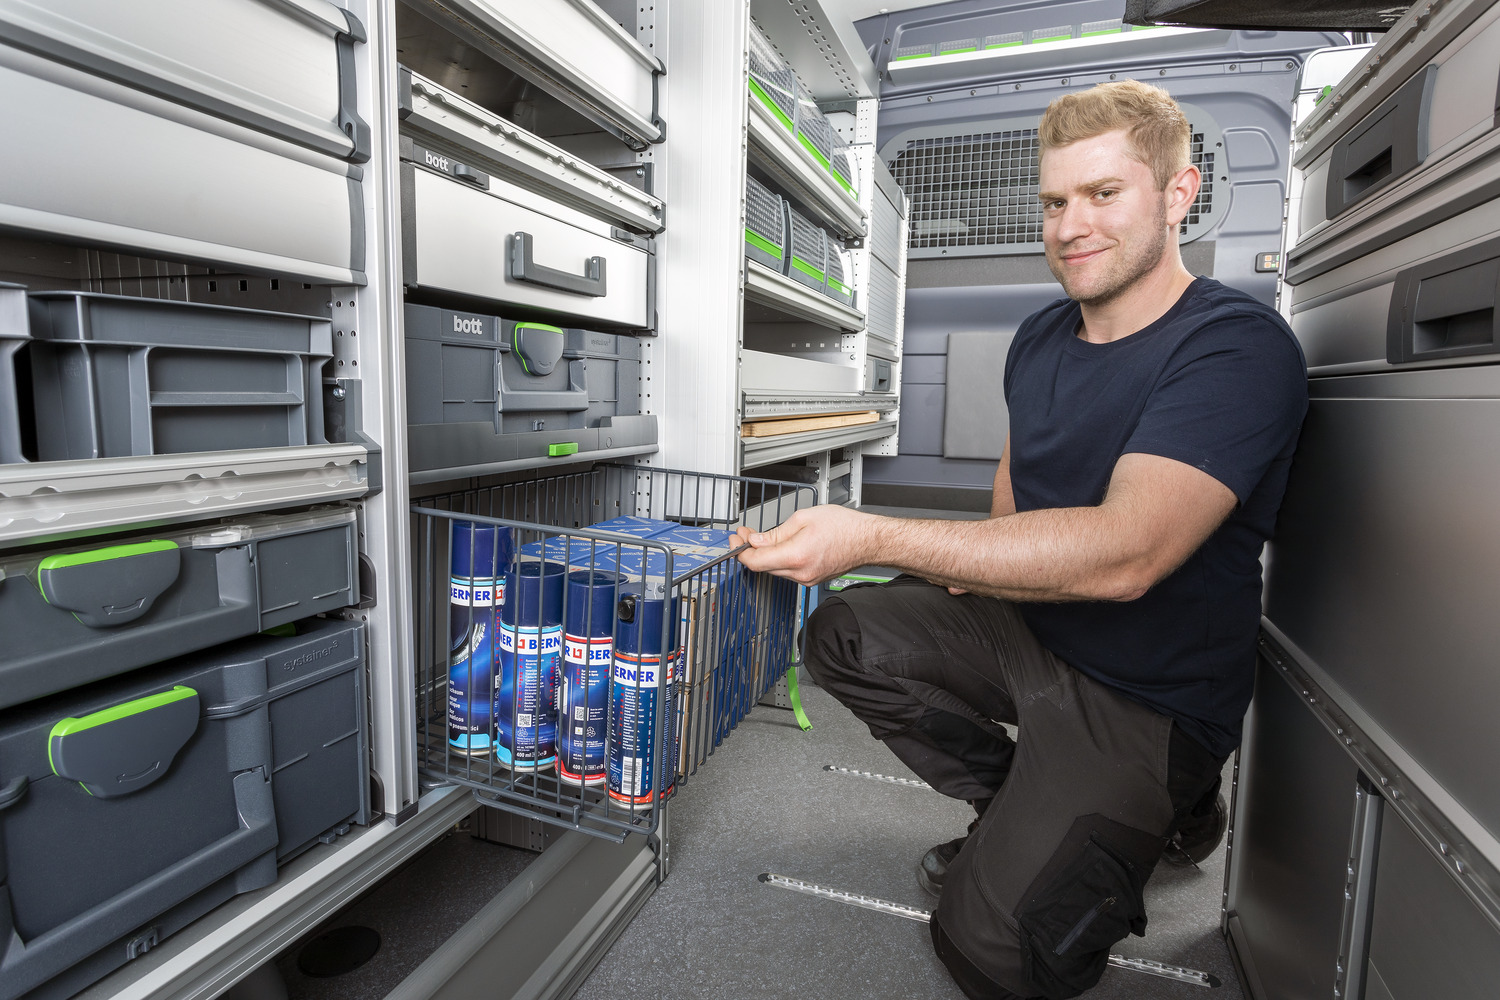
(15, 331)
(117, 375)
(771, 81)
(90, 612)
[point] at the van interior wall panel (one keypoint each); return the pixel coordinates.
(1240, 83)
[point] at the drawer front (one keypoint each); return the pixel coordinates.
(175, 181)
(213, 55)
(1427, 296)
(465, 240)
(575, 49)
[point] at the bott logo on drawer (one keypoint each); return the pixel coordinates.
(469, 324)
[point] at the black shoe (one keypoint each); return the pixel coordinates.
(933, 867)
(1199, 836)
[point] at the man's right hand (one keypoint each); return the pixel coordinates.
(812, 545)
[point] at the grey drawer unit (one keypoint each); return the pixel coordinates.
(133, 806)
(78, 615)
(213, 55)
(470, 235)
(1382, 569)
(1427, 939)
(444, 122)
(116, 376)
(488, 394)
(573, 50)
(1433, 95)
(131, 169)
(15, 331)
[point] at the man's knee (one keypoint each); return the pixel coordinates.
(1054, 941)
(831, 643)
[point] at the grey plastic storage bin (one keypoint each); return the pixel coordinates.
(839, 274)
(808, 261)
(771, 81)
(14, 333)
(814, 131)
(765, 225)
(78, 615)
(115, 376)
(131, 807)
(517, 394)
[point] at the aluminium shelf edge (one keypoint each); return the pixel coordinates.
(49, 500)
(778, 151)
(767, 287)
(765, 451)
(431, 110)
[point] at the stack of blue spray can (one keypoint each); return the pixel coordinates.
(530, 648)
(583, 694)
(643, 761)
(480, 557)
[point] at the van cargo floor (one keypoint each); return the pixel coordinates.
(765, 803)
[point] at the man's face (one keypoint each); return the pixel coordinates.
(1104, 221)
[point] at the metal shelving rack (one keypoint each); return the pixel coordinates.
(753, 333)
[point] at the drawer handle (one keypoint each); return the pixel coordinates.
(524, 268)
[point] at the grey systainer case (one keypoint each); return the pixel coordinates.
(489, 394)
(133, 806)
(117, 375)
(79, 614)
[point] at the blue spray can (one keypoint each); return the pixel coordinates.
(644, 684)
(583, 693)
(530, 645)
(480, 556)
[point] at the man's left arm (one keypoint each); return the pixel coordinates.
(1156, 513)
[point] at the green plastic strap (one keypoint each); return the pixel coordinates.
(807, 268)
(817, 154)
(101, 555)
(768, 101)
(755, 239)
(796, 698)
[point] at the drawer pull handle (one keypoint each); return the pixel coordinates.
(524, 268)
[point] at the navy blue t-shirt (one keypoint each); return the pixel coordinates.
(1218, 383)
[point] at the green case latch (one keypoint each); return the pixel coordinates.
(559, 450)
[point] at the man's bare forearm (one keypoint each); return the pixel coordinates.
(1070, 554)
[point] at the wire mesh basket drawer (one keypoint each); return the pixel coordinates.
(597, 640)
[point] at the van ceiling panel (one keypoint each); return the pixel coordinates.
(1320, 15)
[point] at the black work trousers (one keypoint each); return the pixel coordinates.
(1081, 803)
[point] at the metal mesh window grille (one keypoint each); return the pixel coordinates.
(980, 190)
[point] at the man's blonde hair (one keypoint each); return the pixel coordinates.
(1157, 129)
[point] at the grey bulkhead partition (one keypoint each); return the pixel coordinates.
(1380, 592)
(959, 133)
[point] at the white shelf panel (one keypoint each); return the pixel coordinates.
(779, 152)
(48, 500)
(827, 52)
(770, 288)
(765, 451)
(774, 372)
